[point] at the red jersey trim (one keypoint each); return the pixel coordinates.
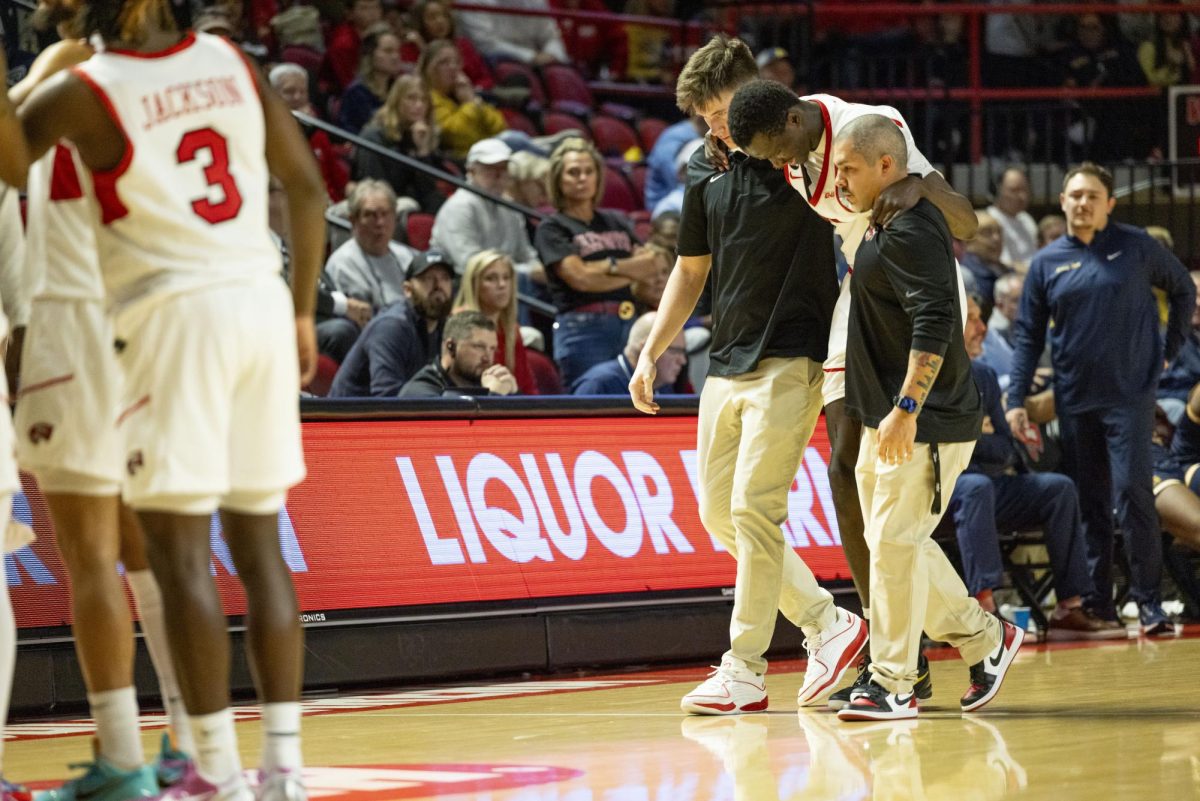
(819, 185)
(64, 178)
(104, 183)
(182, 44)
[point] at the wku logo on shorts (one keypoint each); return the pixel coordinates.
(134, 463)
(40, 432)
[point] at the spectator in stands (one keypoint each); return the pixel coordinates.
(1050, 228)
(612, 377)
(1166, 57)
(591, 258)
(982, 258)
(1183, 373)
(291, 81)
(664, 231)
(462, 115)
(402, 338)
(528, 39)
(468, 223)
(370, 266)
(1013, 45)
(1177, 473)
(339, 318)
(380, 66)
(597, 48)
(998, 343)
(527, 174)
(433, 20)
(489, 285)
(673, 200)
(648, 45)
(1010, 210)
(998, 493)
(662, 175)
(344, 53)
(467, 364)
(1107, 352)
(648, 294)
(1098, 58)
(404, 124)
(774, 64)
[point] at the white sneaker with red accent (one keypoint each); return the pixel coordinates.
(729, 690)
(830, 654)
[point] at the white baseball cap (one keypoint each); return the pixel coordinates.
(488, 151)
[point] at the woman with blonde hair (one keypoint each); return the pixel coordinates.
(489, 286)
(592, 257)
(404, 123)
(462, 115)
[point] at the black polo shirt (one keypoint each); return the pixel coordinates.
(904, 297)
(773, 278)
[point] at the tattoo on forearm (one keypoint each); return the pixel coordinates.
(923, 369)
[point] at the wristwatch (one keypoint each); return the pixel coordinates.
(612, 265)
(906, 404)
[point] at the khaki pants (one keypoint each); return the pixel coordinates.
(751, 437)
(913, 584)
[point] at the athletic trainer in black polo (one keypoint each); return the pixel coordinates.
(908, 379)
(773, 291)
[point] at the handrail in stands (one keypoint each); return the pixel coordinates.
(408, 161)
(533, 303)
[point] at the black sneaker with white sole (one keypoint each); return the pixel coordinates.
(986, 676)
(923, 687)
(874, 702)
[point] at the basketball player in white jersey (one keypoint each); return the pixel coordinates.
(796, 134)
(181, 136)
(12, 536)
(67, 414)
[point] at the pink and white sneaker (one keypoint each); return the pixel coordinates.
(729, 690)
(830, 655)
(194, 787)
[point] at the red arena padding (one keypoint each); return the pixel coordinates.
(417, 513)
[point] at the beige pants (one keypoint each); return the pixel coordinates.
(913, 584)
(751, 437)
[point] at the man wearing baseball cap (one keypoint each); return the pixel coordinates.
(402, 338)
(469, 222)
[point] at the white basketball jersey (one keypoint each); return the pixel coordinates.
(816, 179)
(60, 239)
(187, 206)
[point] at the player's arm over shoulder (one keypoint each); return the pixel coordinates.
(54, 59)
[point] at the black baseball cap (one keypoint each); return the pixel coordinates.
(423, 261)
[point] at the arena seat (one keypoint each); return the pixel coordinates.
(618, 193)
(649, 129)
(419, 229)
(612, 136)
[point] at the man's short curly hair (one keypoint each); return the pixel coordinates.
(759, 107)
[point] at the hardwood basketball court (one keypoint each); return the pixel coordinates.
(1089, 722)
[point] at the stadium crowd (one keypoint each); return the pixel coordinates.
(421, 296)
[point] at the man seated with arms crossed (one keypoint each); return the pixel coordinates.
(997, 492)
(908, 380)
(613, 377)
(467, 364)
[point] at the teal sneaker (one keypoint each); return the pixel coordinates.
(170, 764)
(103, 781)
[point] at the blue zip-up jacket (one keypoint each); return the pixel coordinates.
(1104, 340)
(1184, 372)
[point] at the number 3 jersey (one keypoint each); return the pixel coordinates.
(186, 208)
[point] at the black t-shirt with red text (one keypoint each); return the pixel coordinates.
(609, 234)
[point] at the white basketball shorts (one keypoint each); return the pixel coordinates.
(67, 405)
(212, 386)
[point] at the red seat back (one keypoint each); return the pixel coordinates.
(612, 136)
(419, 228)
(504, 69)
(649, 129)
(564, 83)
(618, 194)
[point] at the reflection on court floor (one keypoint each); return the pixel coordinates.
(1113, 721)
